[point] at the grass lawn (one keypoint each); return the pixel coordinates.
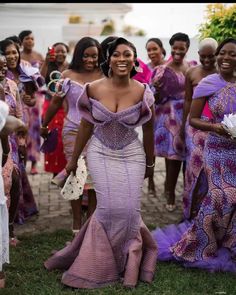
(27, 276)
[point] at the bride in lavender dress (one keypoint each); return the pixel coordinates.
(114, 244)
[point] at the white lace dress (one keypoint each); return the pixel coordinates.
(4, 234)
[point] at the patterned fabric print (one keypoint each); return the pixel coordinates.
(195, 182)
(27, 204)
(169, 112)
(33, 115)
(15, 109)
(215, 226)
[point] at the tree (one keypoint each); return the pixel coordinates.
(108, 28)
(221, 22)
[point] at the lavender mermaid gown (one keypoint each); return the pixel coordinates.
(114, 243)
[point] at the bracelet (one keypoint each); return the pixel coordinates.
(150, 166)
(5, 154)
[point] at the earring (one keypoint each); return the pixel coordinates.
(110, 72)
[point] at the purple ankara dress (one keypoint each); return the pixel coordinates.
(114, 243)
(209, 241)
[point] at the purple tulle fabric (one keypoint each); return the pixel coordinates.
(167, 237)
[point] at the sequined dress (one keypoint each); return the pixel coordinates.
(114, 243)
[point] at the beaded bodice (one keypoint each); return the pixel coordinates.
(116, 130)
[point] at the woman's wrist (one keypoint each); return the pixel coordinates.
(150, 165)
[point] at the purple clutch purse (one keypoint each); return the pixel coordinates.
(50, 143)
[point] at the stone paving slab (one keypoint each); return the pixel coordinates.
(55, 213)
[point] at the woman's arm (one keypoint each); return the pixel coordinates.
(85, 131)
(187, 101)
(196, 122)
(45, 64)
(55, 104)
(148, 143)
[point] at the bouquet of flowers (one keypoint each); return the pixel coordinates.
(229, 123)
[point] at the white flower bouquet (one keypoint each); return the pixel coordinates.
(229, 123)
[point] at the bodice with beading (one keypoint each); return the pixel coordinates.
(116, 130)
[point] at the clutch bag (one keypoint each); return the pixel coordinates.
(74, 184)
(50, 143)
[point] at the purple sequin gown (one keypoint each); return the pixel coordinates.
(209, 241)
(114, 243)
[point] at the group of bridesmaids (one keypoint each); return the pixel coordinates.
(96, 102)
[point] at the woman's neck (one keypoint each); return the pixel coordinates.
(120, 81)
(27, 51)
(228, 77)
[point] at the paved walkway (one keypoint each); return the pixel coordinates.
(54, 211)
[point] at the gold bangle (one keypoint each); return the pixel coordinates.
(5, 154)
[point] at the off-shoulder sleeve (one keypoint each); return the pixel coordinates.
(84, 106)
(62, 87)
(208, 86)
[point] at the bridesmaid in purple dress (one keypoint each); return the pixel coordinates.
(168, 83)
(114, 244)
(209, 241)
(195, 183)
(83, 68)
(34, 112)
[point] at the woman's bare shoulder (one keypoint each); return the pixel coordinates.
(66, 73)
(94, 87)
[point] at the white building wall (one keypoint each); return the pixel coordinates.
(49, 23)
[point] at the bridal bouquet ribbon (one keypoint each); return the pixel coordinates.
(74, 185)
(229, 122)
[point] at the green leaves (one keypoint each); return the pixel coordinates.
(220, 23)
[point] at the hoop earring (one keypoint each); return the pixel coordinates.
(110, 72)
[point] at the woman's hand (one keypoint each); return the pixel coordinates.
(29, 100)
(219, 129)
(71, 167)
(43, 132)
(149, 172)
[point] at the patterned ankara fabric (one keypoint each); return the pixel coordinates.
(209, 241)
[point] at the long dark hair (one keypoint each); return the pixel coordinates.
(76, 63)
(7, 42)
(111, 48)
(159, 43)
